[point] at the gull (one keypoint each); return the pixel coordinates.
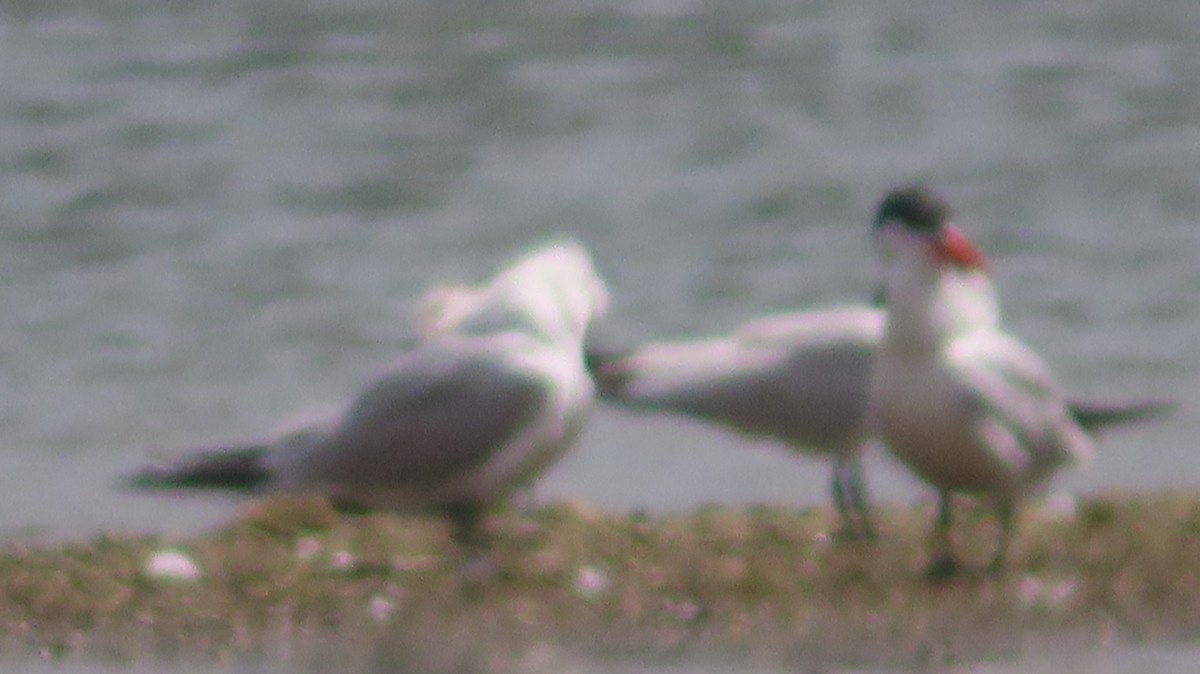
(964, 405)
(477, 409)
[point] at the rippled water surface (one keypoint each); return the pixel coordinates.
(215, 215)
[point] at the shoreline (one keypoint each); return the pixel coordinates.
(768, 584)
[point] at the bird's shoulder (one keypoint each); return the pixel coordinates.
(996, 357)
(837, 325)
(453, 368)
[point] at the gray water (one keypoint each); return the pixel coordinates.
(216, 215)
(1143, 661)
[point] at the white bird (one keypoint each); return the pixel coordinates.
(801, 378)
(474, 411)
(964, 405)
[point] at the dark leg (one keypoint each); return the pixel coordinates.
(1006, 517)
(858, 497)
(838, 490)
(848, 498)
(944, 565)
(467, 522)
(475, 566)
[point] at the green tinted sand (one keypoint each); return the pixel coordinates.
(292, 579)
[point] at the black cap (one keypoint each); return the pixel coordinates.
(916, 208)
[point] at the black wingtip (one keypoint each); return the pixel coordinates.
(235, 469)
(1095, 415)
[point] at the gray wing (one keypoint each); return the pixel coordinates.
(1010, 384)
(811, 395)
(433, 416)
(841, 324)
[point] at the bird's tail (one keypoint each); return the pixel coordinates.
(230, 468)
(1094, 415)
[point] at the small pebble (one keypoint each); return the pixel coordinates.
(683, 611)
(1035, 592)
(1029, 590)
(591, 582)
(380, 608)
(307, 548)
(1061, 505)
(172, 565)
(342, 560)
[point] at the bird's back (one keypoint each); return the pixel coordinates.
(788, 377)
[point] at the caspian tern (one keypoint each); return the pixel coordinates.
(475, 410)
(801, 378)
(964, 405)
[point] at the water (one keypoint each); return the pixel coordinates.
(217, 214)
(1162, 660)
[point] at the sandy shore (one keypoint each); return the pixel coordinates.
(292, 579)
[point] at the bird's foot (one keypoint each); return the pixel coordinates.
(996, 567)
(862, 533)
(942, 568)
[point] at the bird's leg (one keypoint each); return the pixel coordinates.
(943, 565)
(838, 490)
(858, 497)
(1006, 517)
(848, 497)
(466, 521)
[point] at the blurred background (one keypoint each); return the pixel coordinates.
(214, 215)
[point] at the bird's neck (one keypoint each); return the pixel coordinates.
(971, 297)
(928, 306)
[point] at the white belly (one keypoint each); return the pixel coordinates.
(929, 424)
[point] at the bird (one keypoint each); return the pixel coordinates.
(800, 378)
(473, 411)
(964, 405)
